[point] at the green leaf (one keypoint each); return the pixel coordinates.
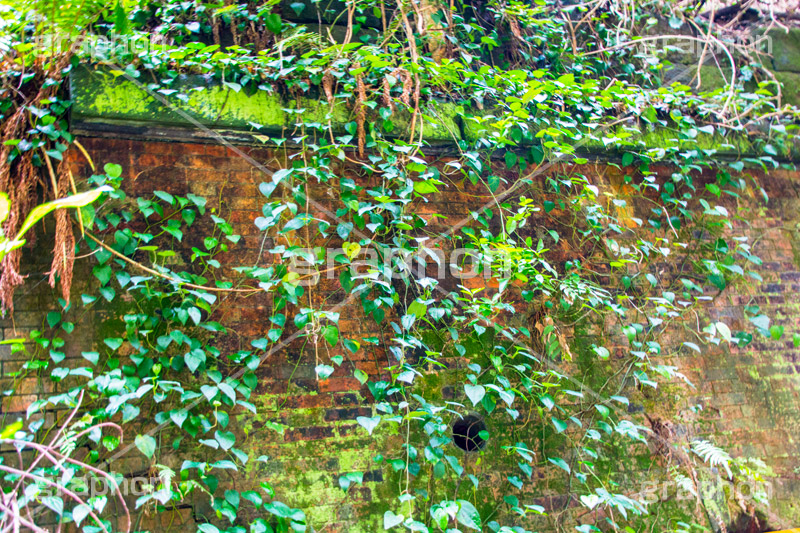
(226, 439)
(53, 318)
(92, 357)
(425, 187)
(361, 376)
(627, 159)
(331, 334)
(475, 393)
(493, 182)
(146, 444)
(511, 159)
(560, 425)
(561, 463)
(194, 359)
(468, 515)
(5, 207)
(112, 170)
(273, 23)
(76, 200)
(391, 520)
(113, 343)
(323, 371)
(368, 423)
(11, 430)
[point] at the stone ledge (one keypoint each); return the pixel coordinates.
(100, 96)
(104, 103)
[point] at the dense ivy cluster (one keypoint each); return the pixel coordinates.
(536, 85)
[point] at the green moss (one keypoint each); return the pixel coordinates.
(218, 106)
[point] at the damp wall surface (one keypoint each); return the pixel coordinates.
(750, 397)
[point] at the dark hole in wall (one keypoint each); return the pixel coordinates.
(466, 433)
(750, 523)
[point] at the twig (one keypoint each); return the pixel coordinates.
(164, 276)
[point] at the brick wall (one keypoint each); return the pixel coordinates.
(749, 397)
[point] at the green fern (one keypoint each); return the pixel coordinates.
(713, 455)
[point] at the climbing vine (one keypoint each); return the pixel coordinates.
(579, 288)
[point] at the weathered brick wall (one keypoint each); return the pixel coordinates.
(749, 396)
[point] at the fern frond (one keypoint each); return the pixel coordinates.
(713, 455)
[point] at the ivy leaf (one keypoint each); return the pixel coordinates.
(323, 371)
(494, 182)
(368, 423)
(273, 23)
(724, 331)
(475, 393)
(344, 229)
(391, 520)
(53, 318)
(92, 357)
(226, 439)
(361, 376)
(468, 516)
(54, 503)
(146, 445)
(561, 463)
(113, 343)
(194, 314)
(179, 417)
(295, 224)
(560, 425)
(627, 159)
(693, 346)
(331, 334)
(511, 159)
(547, 401)
(194, 359)
(102, 273)
(425, 187)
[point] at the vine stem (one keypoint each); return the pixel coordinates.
(164, 276)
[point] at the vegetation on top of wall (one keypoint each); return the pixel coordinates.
(549, 76)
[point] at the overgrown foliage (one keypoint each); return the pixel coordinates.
(536, 85)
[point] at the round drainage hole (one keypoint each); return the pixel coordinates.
(467, 433)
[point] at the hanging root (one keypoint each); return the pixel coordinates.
(64, 248)
(387, 94)
(408, 85)
(361, 113)
(327, 85)
(19, 180)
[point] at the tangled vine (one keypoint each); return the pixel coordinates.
(561, 252)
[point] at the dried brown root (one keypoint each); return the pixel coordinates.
(327, 85)
(361, 114)
(64, 247)
(19, 181)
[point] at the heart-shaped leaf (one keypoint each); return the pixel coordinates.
(475, 393)
(368, 423)
(391, 520)
(226, 439)
(146, 445)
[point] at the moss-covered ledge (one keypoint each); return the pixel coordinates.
(106, 102)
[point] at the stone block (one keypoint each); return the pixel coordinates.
(785, 49)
